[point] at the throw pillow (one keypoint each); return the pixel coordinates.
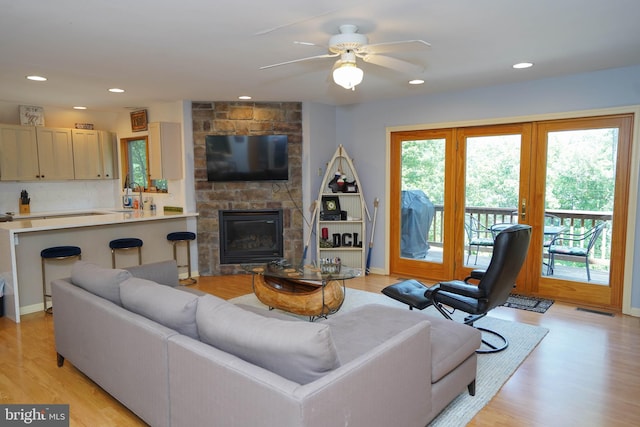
(163, 304)
(100, 281)
(299, 351)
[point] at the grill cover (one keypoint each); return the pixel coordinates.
(417, 215)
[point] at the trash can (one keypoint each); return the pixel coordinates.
(417, 216)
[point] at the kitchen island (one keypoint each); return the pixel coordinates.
(22, 240)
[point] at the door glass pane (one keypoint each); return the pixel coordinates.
(492, 185)
(580, 184)
(422, 193)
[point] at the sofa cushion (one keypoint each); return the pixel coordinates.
(299, 351)
(358, 331)
(163, 272)
(168, 306)
(100, 281)
(451, 344)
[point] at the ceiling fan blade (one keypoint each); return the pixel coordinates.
(326, 55)
(394, 64)
(394, 46)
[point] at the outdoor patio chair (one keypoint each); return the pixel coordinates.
(478, 235)
(574, 245)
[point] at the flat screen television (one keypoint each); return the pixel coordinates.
(247, 157)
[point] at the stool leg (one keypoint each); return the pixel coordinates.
(175, 252)
(191, 280)
(113, 258)
(188, 259)
(139, 255)
(44, 288)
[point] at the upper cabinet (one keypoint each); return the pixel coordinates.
(165, 150)
(55, 153)
(30, 153)
(18, 153)
(93, 153)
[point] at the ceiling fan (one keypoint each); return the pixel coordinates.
(349, 45)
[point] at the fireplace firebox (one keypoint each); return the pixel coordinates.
(250, 236)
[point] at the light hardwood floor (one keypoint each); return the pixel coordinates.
(585, 372)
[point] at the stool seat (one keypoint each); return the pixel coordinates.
(126, 243)
(55, 253)
(60, 252)
(181, 235)
(123, 244)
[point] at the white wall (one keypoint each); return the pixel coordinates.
(318, 144)
(361, 128)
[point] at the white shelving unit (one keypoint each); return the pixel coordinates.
(347, 234)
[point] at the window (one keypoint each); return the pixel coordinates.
(135, 165)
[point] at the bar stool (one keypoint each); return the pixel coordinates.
(125, 244)
(55, 253)
(178, 237)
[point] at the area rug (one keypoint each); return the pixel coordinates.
(493, 369)
(522, 302)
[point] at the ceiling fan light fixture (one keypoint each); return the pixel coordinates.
(348, 75)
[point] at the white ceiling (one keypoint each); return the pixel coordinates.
(163, 50)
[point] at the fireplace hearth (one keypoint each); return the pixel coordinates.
(250, 236)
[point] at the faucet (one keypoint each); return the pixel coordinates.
(140, 190)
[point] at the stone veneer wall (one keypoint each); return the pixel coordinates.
(246, 118)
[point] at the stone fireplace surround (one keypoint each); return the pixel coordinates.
(246, 118)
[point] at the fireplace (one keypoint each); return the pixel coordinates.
(250, 236)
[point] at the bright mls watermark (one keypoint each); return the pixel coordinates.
(34, 415)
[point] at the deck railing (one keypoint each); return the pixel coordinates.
(574, 221)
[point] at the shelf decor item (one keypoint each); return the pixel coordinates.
(330, 204)
(139, 121)
(31, 115)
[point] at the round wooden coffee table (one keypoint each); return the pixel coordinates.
(305, 290)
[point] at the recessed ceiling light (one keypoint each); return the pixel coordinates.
(37, 78)
(416, 82)
(79, 107)
(116, 90)
(244, 97)
(522, 65)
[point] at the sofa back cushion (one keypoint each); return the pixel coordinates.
(163, 272)
(100, 281)
(168, 306)
(299, 351)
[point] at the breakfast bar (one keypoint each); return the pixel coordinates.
(22, 240)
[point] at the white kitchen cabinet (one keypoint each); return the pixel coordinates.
(29, 153)
(18, 153)
(55, 153)
(108, 151)
(93, 153)
(165, 150)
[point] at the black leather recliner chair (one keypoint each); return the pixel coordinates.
(493, 288)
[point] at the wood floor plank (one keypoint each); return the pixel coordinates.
(585, 372)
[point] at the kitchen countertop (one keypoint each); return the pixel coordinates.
(40, 221)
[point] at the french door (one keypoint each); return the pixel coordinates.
(582, 174)
(453, 189)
